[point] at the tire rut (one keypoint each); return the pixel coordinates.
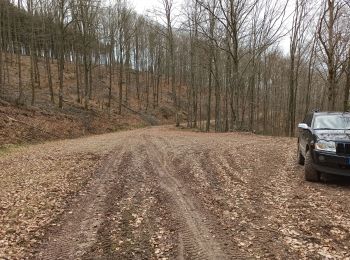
(76, 231)
(119, 193)
(196, 239)
(137, 224)
(177, 195)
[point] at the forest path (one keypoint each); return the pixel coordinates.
(162, 193)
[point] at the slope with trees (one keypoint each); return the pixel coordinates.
(219, 60)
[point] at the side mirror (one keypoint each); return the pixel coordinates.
(303, 126)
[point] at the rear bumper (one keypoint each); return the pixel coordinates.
(331, 163)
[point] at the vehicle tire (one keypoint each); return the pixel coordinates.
(300, 158)
(310, 173)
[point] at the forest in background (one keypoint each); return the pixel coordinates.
(215, 60)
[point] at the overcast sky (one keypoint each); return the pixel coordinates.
(142, 5)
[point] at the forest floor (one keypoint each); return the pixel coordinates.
(164, 193)
(27, 124)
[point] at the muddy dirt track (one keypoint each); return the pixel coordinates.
(161, 193)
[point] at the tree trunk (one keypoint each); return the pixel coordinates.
(90, 78)
(49, 74)
(120, 74)
(19, 64)
(61, 56)
(127, 72)
(311, 64)
(86, 80)
(77, 74)
(217, 96)
(192, 96)
(137, 67)
(1, 59)
(209, 98)
(252, 93)
(347, 86)
(111, 70)
(32, 60)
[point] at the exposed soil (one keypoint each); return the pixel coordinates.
(161, 193)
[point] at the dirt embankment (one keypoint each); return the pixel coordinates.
(28, 125)
(45, 121)
(160, 193)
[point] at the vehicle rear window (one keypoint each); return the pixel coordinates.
(332, 122)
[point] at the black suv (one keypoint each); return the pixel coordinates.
(324, 144)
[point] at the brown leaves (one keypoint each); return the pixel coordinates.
(249, 195)
(35, 184)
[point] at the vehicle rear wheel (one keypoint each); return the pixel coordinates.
(310, 173)
(300, 158)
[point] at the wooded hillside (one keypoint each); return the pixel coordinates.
(209, 60)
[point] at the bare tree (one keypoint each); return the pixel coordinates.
(168, 9)
(63, 19)
(225, 55)
(330, 37)
(1, 50)
(85, 15)
(110, 26)
(347, 84)
(296, 40)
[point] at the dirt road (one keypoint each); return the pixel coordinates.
(161, 193)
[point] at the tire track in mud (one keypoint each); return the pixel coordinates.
(137, 224)
(182, 195)
(247, 198)
(190, 164)
(103, 248)
(76, 232)
(252, 216)
(196, 238)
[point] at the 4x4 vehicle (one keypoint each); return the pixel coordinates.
(324, 144)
